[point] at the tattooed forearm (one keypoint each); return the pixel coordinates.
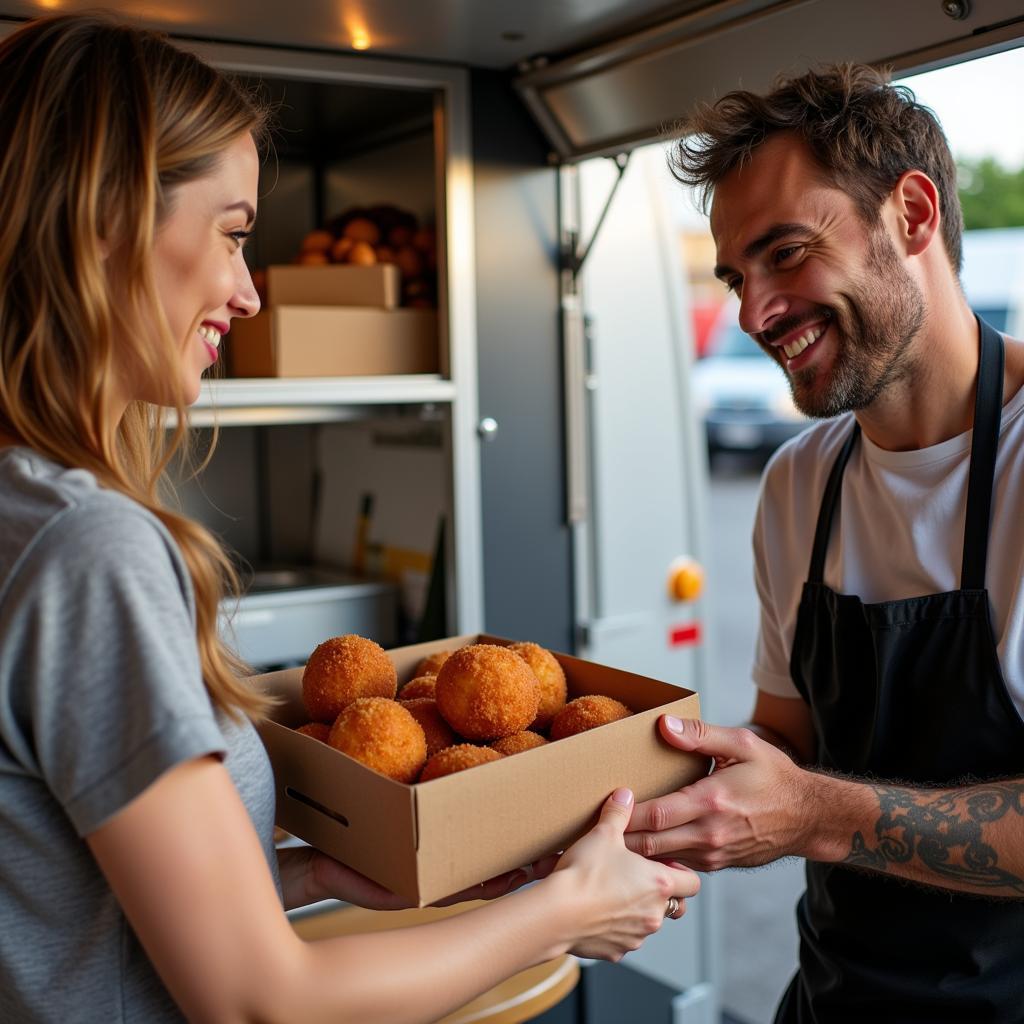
(944, 837)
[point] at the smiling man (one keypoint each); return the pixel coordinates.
(887, 741)
(874, 306)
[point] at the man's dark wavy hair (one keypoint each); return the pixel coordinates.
(863, 131)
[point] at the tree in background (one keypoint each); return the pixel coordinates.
(991, 195)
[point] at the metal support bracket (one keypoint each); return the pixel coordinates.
(574, 255)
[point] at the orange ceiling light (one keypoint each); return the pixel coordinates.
(357, 30)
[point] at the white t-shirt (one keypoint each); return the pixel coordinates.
(898, 533)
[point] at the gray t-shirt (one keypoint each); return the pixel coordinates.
(100, 693)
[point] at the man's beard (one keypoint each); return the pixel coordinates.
(872, 329)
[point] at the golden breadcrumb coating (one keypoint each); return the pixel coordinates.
(342, 669)
(420, 686)
(383, 735)
(438, 732)
(486, 692)
(550, 681)
(457, 759)
(585, 713)
(518, 742)
(318, 730)
(430, 665)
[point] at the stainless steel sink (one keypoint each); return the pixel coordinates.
(268, 580)
(287, 610)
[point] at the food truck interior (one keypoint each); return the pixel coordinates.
(525, 460)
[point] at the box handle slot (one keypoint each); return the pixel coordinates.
(316, 805)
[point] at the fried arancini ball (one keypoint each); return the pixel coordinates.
(457, 759)
(421, 686)
(430, 665)
(585, 713)
(486, 692)
(550, 679)
(341, 669)
(383, 735)
(438, 732)
(318, 730)
(518, 742)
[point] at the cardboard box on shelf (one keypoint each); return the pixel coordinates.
(333, 341)
(378, 286)
(432, 839)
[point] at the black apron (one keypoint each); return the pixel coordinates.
(909, 691)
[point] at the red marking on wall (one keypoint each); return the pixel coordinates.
(684, 636)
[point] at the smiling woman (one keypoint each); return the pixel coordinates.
(121, 156)
(140, 879)
(201, 277)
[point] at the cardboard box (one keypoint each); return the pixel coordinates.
(333, 341)
(378, 287)
(428, 840)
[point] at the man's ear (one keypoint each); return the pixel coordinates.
(915, 200)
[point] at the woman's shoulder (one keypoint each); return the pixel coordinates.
(32, 484)
(49, 508)
(35, 486)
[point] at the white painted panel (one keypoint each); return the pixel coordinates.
(648, 476)
(648, 484)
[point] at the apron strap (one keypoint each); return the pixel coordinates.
(988, 405)
(829, 501)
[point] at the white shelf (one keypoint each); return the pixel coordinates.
(389, 390)
(312, 399)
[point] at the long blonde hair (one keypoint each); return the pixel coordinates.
(99, 122)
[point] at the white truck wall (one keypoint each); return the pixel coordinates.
(648, 481)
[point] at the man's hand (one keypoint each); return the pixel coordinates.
(756, 806)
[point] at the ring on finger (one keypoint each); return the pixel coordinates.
(671, 906)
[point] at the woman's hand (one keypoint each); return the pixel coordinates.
(502, 885)
(620, 897)
(308, 876)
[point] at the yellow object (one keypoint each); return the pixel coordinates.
(398, 561)
(686, 580)
(362, 535)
